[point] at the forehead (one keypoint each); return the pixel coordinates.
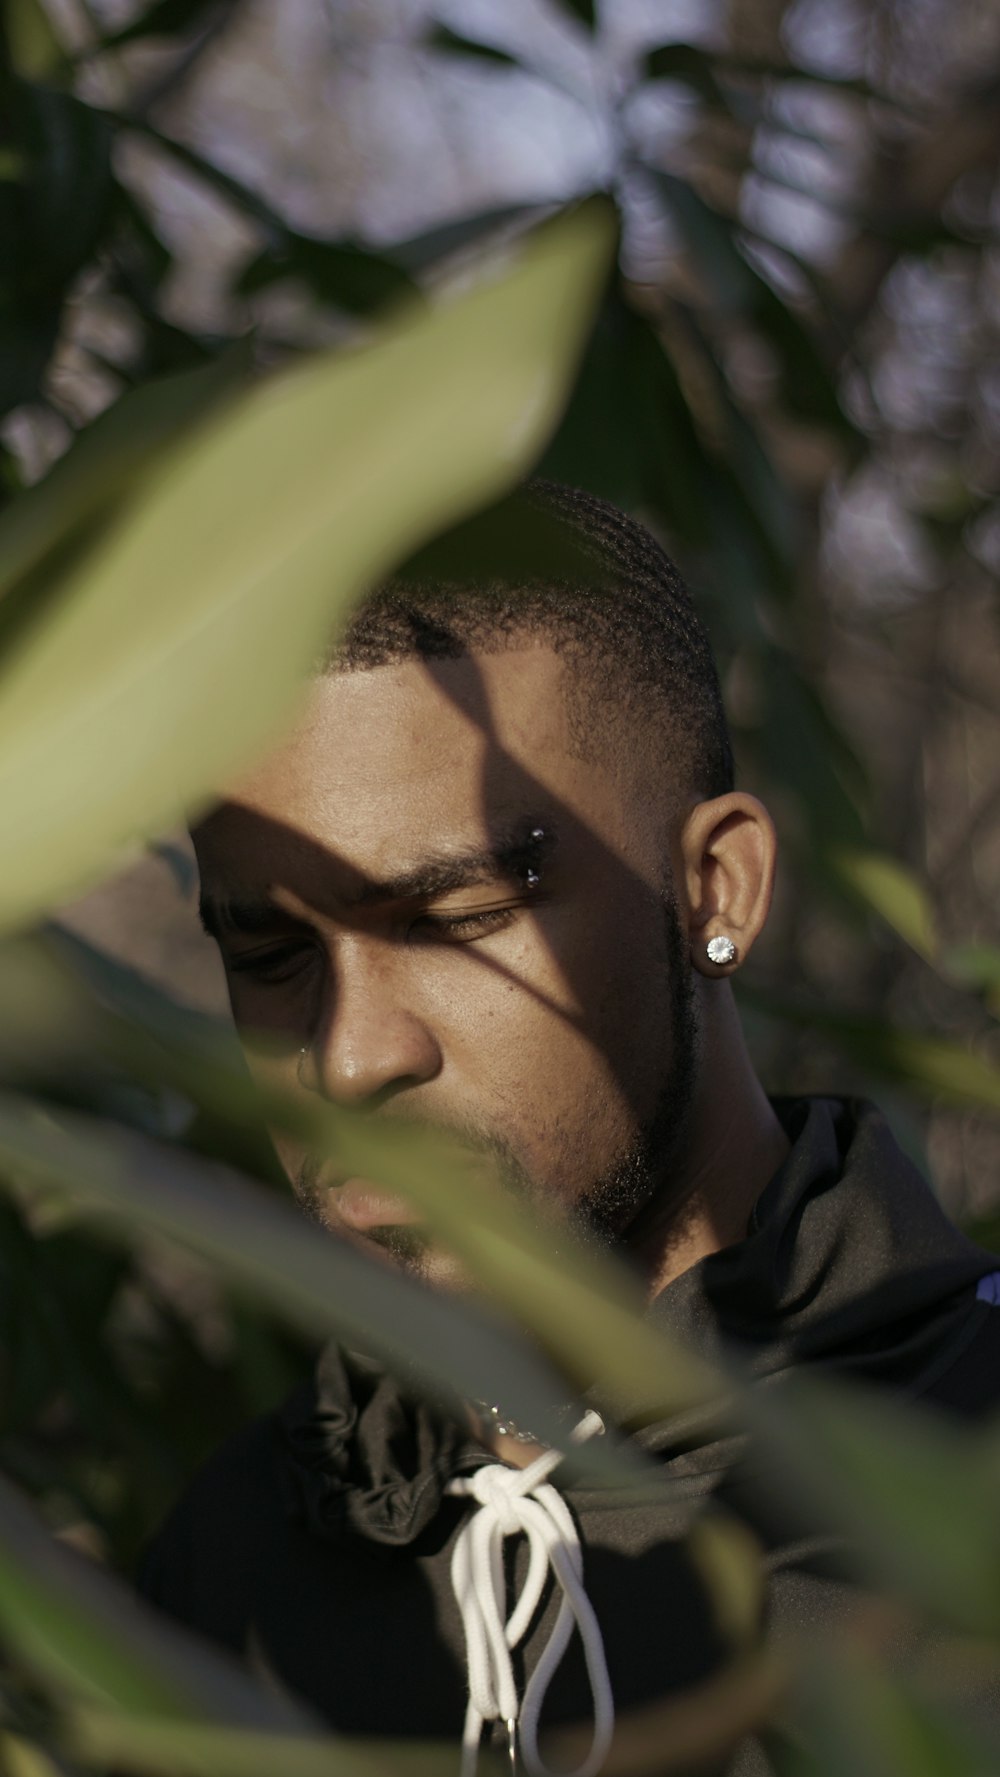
(394, 760)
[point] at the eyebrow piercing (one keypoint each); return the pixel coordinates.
(532, 875)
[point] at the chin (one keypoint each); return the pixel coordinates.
(410, 1250)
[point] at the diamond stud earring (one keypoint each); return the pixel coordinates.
(720, 951)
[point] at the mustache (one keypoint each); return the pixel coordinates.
(316, 1173)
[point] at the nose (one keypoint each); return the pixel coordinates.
(368, 1042)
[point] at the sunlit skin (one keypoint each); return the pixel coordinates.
(371, 885)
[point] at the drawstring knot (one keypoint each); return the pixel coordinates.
(513, 1501)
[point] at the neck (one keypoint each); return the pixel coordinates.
(734, 1145)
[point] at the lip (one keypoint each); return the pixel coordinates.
(362, 1204)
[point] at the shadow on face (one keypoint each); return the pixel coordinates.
(433, 905)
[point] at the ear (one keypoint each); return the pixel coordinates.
(728, 855)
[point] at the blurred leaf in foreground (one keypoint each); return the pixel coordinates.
(83, 1634)
(976, 966)
(929, 1066)
(19, 1758)
(885, 885)
(580, 1305)
(255, 538)
(34, 49)
(859, 1722)
(55, 197)
(164, 1748)
(93, 482)
(127, 1182)
(914, 1493)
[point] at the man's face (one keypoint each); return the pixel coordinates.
(435, 908)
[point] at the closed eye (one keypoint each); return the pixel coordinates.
(273, 963)
(463, 928)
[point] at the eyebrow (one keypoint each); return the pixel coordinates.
(510, 853)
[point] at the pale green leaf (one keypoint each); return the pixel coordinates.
(35, 50)
(83, 1634)
(914, 1494)
(976, 966)
(130, 1184)
(693, 1730)
(584, 10)
(442, 38)
(891, 890)
(861, 1722)
(166, 1748)
(100, 472)
(579, 1304)
(172, 650)
(930, 1066)
(19, 1758)
(728, 1558)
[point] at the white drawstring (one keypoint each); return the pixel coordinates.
(512, 1500)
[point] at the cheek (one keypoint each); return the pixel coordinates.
(278, 1010)
(562, 1045)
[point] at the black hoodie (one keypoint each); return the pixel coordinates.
(318, 1542)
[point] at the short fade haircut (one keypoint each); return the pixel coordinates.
(628, 625)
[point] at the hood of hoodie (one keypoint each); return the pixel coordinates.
(848, 1263)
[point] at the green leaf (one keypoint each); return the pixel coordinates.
(768, 510)
(860, 1722)
(167, 18)
(53, 212)
(420, 251)
(693, 67)
(97, 475)
(930, 1066)
(69, 186)
(34, 49)
(250, 203)
(141, 244)
(342, 273)
(441, 37)
(250, 544)
(891, 890)
(711, 242)
(80, 1632)
(914, 1493)
(984, 1230)
(976, 966)
(809, 385)
(19, 1758)
(164, 1748)
(803, 749)
(581, 1306)
(513, 540)
(728, 1558)
(125, 1185)
(706, 71)
(692, 1730)
(584, 10)
(628, 432)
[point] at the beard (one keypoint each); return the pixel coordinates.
(606, 1207)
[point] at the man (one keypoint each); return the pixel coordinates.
(499, 880)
